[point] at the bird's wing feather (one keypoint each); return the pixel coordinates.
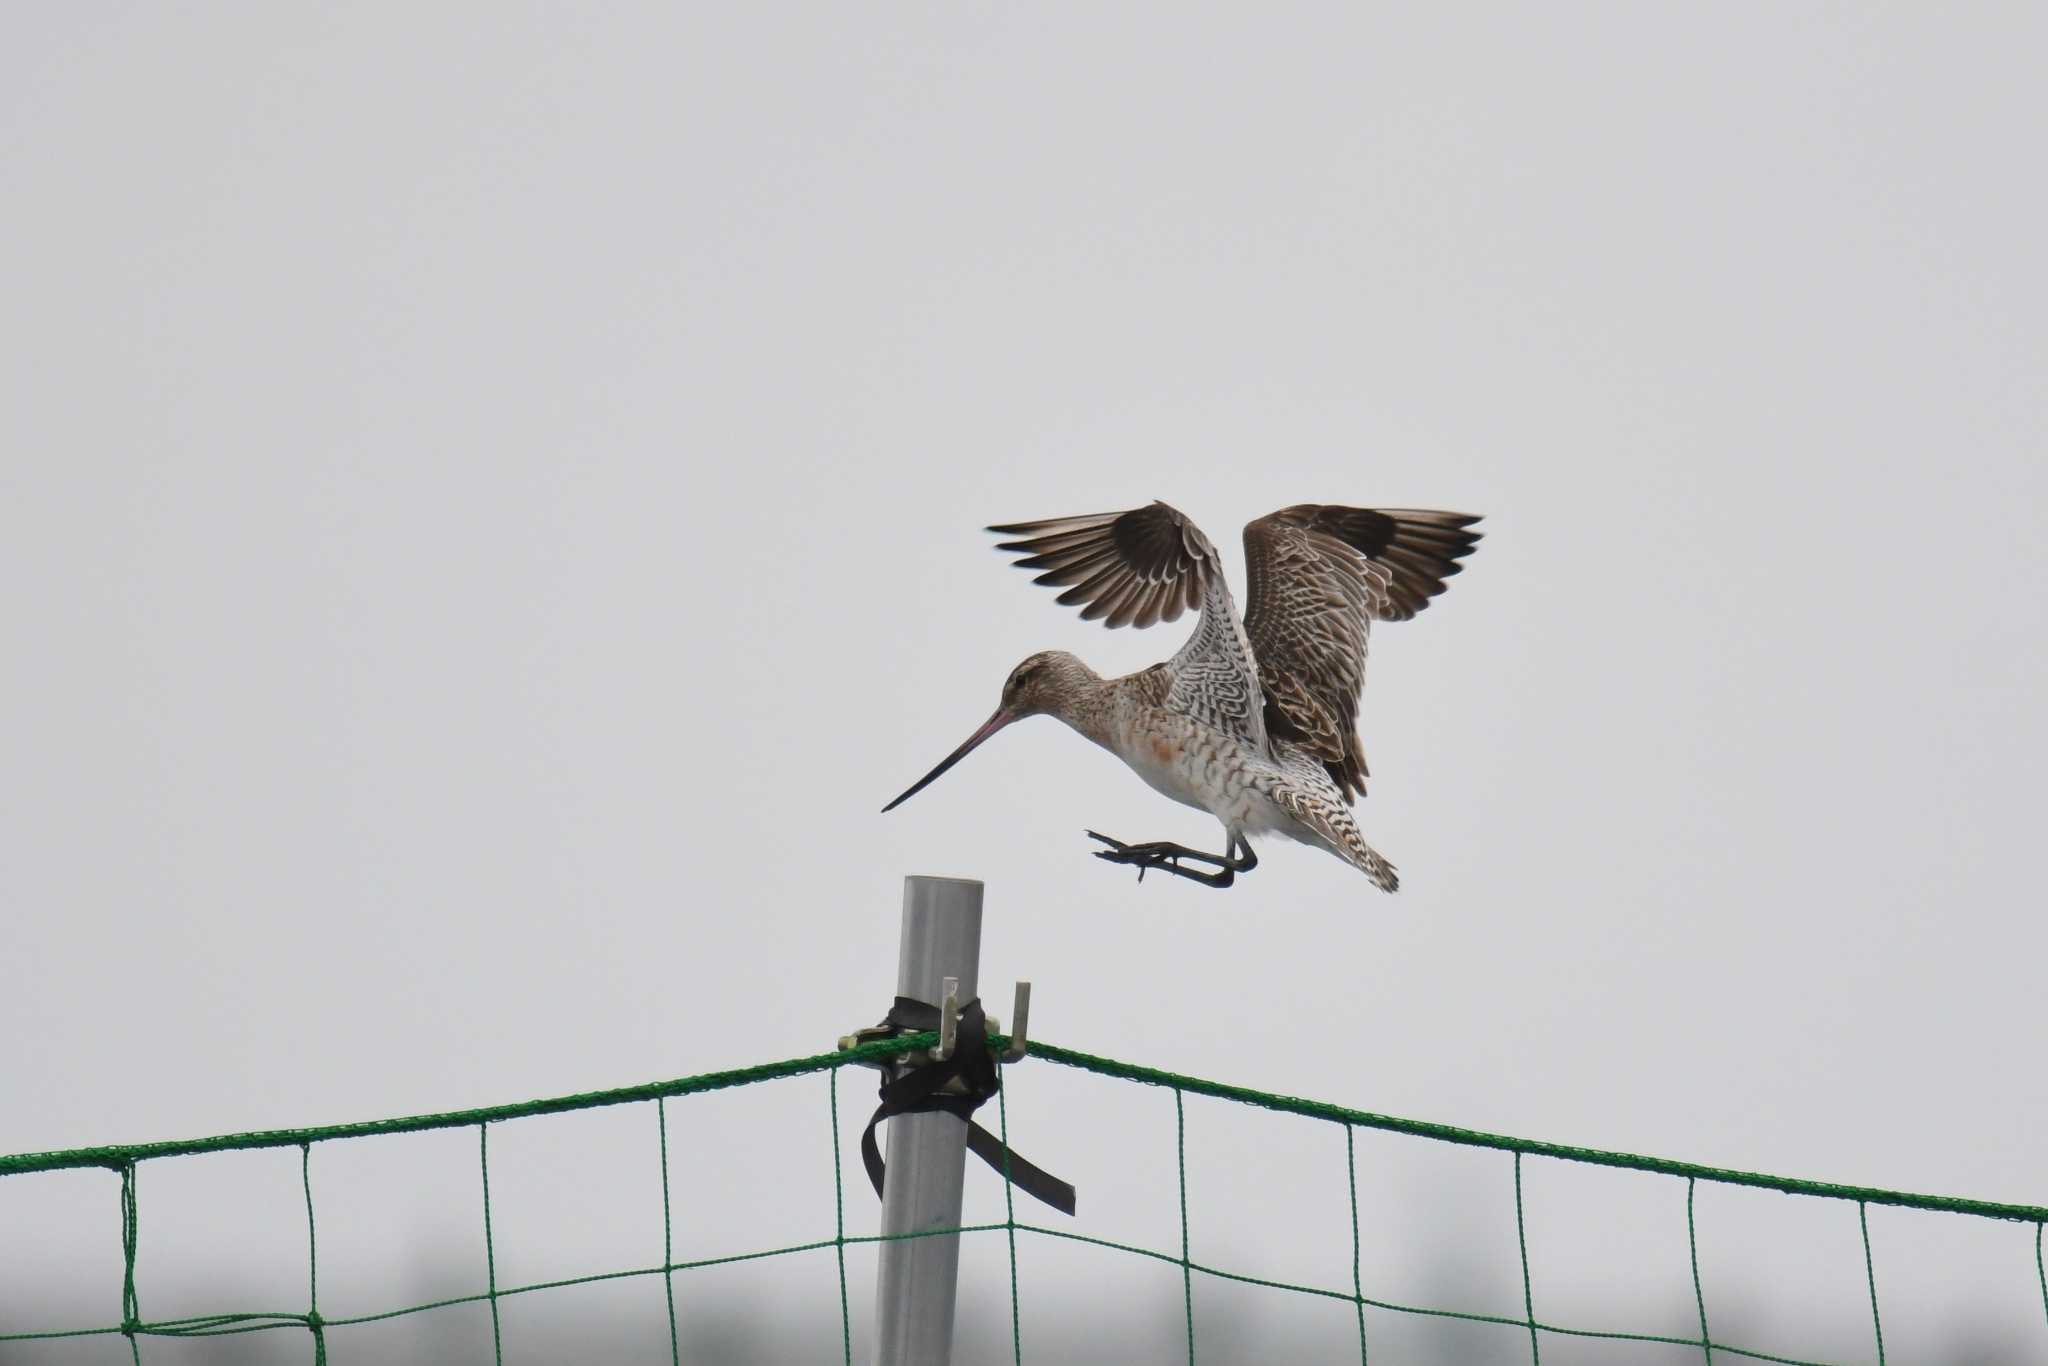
(1144, 566)
(1317, 577)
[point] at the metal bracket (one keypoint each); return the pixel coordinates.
(1020, 1026)
(949, 1020)
(949, 1030)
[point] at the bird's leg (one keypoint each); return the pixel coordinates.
(1166, 855)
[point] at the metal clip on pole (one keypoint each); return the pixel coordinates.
(949, 1020)
(1020, 1025)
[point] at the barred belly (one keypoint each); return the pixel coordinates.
(1204, 768)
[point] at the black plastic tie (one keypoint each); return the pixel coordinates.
(925, 1087)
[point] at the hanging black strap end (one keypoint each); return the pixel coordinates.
(958, 1085)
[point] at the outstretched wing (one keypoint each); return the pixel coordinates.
(1318, 576)
(1148, 565)
(1135, 568)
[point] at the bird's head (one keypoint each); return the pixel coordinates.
(1048, 681)
(1043, 683)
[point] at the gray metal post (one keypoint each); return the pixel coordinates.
(927, 1152)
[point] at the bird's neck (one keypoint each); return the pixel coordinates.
(1090, 709)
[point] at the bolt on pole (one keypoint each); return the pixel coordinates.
(914, 1288)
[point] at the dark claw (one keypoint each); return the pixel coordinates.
(1166, 854)
(1116, 856)
(1119, 852)
(1145, 857)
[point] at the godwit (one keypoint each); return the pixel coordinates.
(1254, 721)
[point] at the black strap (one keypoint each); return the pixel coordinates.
(920, 1090)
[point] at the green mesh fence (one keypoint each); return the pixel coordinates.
(135, 1327)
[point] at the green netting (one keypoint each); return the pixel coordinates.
(126, 1160)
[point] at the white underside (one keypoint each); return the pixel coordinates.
(1226, 787)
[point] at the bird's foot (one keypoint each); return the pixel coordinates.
(1163, 854)
(1156, 854)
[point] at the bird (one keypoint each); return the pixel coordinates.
(1254, 720)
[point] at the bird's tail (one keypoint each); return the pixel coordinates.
(1335, 830)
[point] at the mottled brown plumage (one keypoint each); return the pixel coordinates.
(1317, 577)
(1252, 720)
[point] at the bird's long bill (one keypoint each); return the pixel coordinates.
(1003, 717)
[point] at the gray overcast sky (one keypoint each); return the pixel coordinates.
(489, 505)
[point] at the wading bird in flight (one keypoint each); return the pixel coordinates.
(1254, 721)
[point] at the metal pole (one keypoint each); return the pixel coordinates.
(927, 1152)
